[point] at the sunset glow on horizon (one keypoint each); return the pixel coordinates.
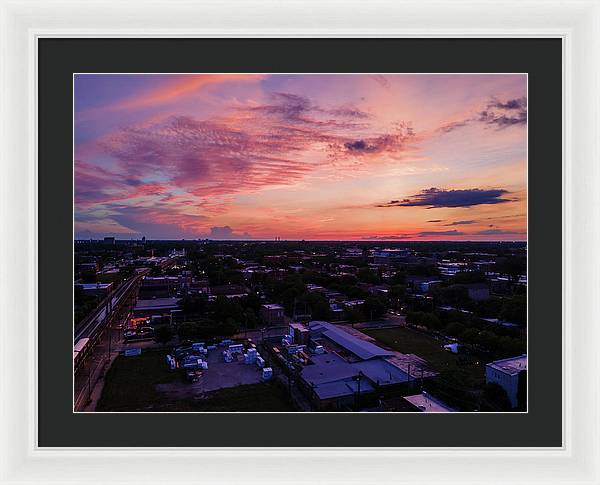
(363, 157)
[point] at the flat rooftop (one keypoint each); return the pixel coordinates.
(331, 376)
(94, 286)
(342, 388)
(272, 306)
(428, 404)
(359, 347)
(327, 368)
(511, 366)
(381, 372)
(156, 304)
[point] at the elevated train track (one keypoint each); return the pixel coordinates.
(87, 332)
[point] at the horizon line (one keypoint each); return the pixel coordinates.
(306, 240)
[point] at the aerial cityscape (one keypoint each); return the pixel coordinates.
(300, 243)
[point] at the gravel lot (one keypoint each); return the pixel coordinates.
(220, 374)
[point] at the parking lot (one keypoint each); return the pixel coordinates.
(145, 383)
(220, 374)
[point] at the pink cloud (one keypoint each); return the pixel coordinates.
(180, 86)
(97, 185)
(256, 147)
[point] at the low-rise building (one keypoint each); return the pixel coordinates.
(390, 256)
(426, 286)
(229, 291)
(478, 291)
(155, 307)
(353, 371)
(158, 286)
(272, 314)
(95, 289)
(511, 375)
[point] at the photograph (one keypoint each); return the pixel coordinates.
(300, 242)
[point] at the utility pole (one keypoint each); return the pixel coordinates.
(360, 374)
(294, 312)
(89, 384)
(109, 340)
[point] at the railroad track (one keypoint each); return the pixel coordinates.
(92, 324)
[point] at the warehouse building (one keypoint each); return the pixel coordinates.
(354, 372)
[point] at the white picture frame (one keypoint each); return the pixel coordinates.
(576, 22)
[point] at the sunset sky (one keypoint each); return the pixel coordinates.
(321, 157)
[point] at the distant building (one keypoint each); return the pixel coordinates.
(158, 286)
(87, 267)
(199, 285)
(229, 291)
(109, 275)
(475, 291)
(389, 256)
(500, 286)
(337, 312)
(109, 240)
(478, 291)
(155, 307)
(353, 253)
(299, 334)
(378, 290)
(414, 282)
(426, 286)
(272, 314)
(95, 289)
(511, 375)
(450, 268)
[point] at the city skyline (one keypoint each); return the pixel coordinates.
(317, 157)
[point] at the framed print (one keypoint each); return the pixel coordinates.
(411, 298)
(361, 252)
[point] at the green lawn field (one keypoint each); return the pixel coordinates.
(409, 341)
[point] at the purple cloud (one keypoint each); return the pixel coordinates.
(453, 232)
(511, 104)
(435, 198)
(496, 113)
(494, 232)
(226, 232)
(461, 223)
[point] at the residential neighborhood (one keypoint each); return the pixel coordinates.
(297, 326)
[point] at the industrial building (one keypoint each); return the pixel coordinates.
(345, 370)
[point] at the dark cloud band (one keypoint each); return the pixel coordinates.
(435, 198)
